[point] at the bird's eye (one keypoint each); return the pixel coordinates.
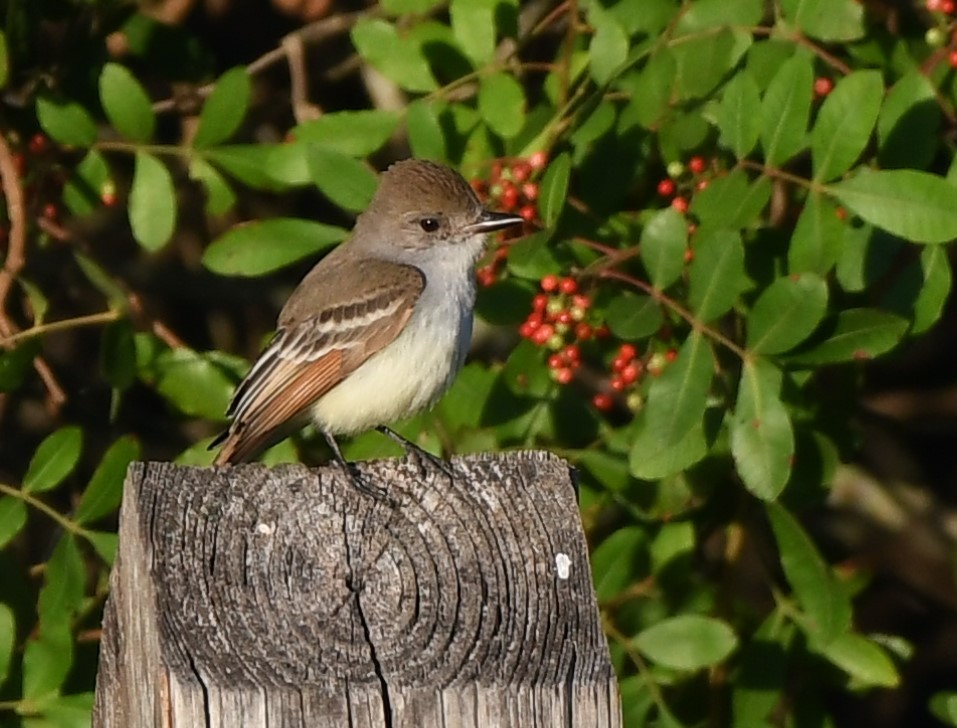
(429, 224)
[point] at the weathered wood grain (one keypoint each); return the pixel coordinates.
(253, 597)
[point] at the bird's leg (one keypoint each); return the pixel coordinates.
(352, 472)
(444, 465)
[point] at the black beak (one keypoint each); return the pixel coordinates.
(492, 221)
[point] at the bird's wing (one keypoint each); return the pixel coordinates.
(313, 352)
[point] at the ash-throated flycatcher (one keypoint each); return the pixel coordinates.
(379, 328)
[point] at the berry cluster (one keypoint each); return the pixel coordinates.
(34, 160)
(512, 186)
(683, 181)
(563, 322)
(947, 7)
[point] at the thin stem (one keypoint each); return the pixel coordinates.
(776, 173)
(656, 696)
(92, 319)
(158, 149)
(678, 309)
(52, 513)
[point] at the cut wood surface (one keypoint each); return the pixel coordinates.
(249, 596)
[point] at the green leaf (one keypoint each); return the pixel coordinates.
(717, 275)
(13, 516)
(935, 291)
(863, 660)
(827, 606)
(677, 398)
(845, 122)
(827, 20)
(54, 460)
(762, 441)
(909, 123)
(262, 246)
(608, 48)
(943, 705)
(731, 201)
(616, 562)
(652, 90)
(663, 243)
(501, 102)
(67, 711)
(855, 334)
(631, 316)
(702, 62)
(532, 257)
(252, 164)
(785, 110)
(118, 354)
(917, 206)
(706, 14)
(687, 642)
(65, 121)
(126, 103)
(103, 494)
(473, 24)
(63, 583)
(193, 384)
(426, 137)
(220, 197)
(83, 191)
(47, 660)
(344, 180)
(152, 203)
(818, 237)
(224, 109)
(403, 7)
(354, 133)
(397, 58)
(650, 459)
(738, 115)
(786, 313)
(105, 543)
(8, 639)
(15, 364)
(4, 75)
(553, 189)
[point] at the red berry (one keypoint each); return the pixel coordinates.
(618, 363)
(933, 5)
(542, 334)
(947, 6)
(509, 198)
(571, 352)
(701, 184)
(602, 401)
(680, 204)
(521, 171)
(671, 354)
(627, 352)
(549, 282)
(530, 191)
(952, 59)
(486, 275)
(568, 286)
(583, 332)
(697, 165)
(564, 376)
(527, 329)
(689, 255)
(50, 212)
(630, 373)
(495, 173)
(618, 384)
(565, 317)
(841, 213)
(581, 301)
(603, 332)
(539, 302)
(538, 160)
(479, 186)
(38, 143)
(556, 361)
(666, 188)
(822, 86)
(528, 213)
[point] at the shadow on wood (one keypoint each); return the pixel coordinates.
(251, 597)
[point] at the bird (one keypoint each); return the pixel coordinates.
(378, 329)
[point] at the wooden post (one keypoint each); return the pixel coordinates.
(248, 597)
